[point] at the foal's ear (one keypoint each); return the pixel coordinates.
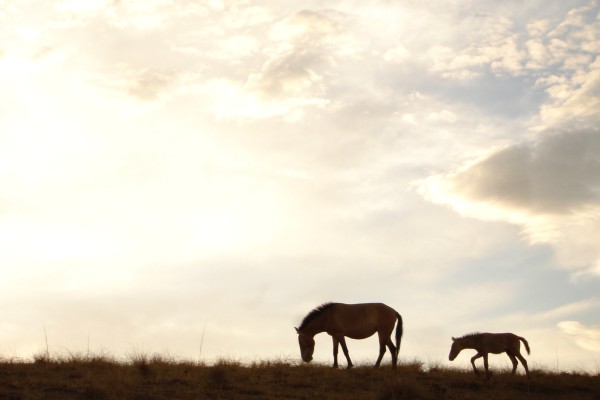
(454, 340)
(297, 331)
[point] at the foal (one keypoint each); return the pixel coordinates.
(495, 343)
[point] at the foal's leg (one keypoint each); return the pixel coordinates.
(485, 364)
(475, 357)
(524, 362)
(514, 362)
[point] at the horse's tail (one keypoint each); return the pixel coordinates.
(399, 331)
(525, 343)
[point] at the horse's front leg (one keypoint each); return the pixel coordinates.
(335, 351)
(475, 357)
(485, 365)
(342, 341)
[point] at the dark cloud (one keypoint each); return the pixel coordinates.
(557, 174)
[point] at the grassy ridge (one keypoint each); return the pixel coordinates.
(157, 378)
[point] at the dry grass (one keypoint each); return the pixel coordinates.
(157, 377)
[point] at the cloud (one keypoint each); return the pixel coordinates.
(298, 55)
(550, 187)
(575, 96)
(567, 310)
(586, 337)
(289, 74)
(497, 44)
(396, 54)
(538, 54)
(142, 15)
(306, 45)
(149, 84)
(558, 174)
(494, 44)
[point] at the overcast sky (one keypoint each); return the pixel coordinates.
(192, 177)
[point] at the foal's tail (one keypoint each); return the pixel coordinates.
(399, 331)
(525, 343)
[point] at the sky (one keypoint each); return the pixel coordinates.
(191, 178)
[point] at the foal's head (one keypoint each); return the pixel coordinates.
(307, 346)
(455, 349)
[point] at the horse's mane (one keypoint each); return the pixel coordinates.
(470, 335)
(314, 314)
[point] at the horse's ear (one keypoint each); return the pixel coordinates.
(453, 339)
(297, 331)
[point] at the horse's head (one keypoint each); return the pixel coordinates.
(307, 346)
(455, 349)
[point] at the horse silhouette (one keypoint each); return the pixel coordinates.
(495, 343)
(356, 321)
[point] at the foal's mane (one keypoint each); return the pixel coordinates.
(470, 335)
(314, 314)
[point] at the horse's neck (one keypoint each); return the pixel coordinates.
(315, 326)
(471, 343)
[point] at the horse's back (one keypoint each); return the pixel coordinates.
(362, 320)
(365, 310)
(500, 342)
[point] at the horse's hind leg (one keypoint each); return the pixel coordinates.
(381, 353)
(524, 362)
(394, 352)
(383, 342)
(514, 362)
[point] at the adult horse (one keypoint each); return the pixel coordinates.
(495, 343)
(356, 321)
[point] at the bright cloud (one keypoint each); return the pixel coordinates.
(573, 98)
(499, 45)
(587, 337)
(305, 47)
